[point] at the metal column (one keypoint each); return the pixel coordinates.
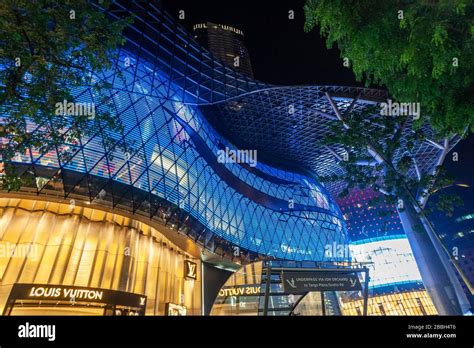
(366, 291)
(267, 292)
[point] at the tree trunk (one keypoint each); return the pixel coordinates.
(434, 266)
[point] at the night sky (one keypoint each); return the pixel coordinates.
(283, 54)
(280, 51)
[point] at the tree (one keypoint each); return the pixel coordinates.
(410, 48)
(380, 153)
(51, 51)
(422, 51)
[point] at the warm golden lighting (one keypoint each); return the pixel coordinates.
(66, 244)
(463, 185)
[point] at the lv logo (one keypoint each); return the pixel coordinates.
(190, 269)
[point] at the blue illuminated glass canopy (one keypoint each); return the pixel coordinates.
(180, 106)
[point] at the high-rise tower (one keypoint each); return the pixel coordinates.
(225, 43)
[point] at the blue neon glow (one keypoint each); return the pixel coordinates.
(164, 161)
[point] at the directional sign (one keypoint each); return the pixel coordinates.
(301, 282)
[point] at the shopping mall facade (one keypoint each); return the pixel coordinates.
(157, 230)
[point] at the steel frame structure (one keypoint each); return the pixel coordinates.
(173, 96)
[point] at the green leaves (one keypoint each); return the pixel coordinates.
(447, 203)
(423, 51)
(59, 55)
(395, 176)
(440, 34)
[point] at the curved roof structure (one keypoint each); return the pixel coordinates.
(171, 99)
(285, 124)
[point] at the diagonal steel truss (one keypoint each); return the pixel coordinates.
(172, 95)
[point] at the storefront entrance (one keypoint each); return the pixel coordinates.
(271, 288)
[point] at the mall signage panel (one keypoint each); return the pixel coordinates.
(302, 282)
